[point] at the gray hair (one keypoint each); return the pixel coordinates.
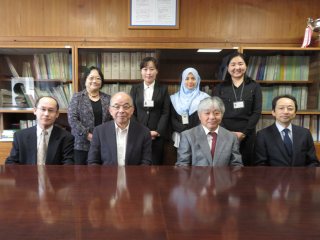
(210, 103)
(121, 93)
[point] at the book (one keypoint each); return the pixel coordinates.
(115, 74)
(106, 65)
(124, 66)
(12, 68)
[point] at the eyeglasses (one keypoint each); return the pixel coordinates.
(91, 78)
(50, 110)
(125, 106)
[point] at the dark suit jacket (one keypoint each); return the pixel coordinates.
(155, 118)
(24, 147)
(270, 149)
(103, 149)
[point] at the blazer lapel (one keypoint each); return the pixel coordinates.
(156, 91)
(32, 139)
(112, 143)
(52, 146)
(87, 105)
(130, 142)
(203, 143)
(140, 93)
(295, 144)
(221, 140)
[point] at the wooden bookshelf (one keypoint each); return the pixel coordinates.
(42, 70)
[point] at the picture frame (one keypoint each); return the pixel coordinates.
(154, 14)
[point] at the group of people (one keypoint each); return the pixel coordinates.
(130, 129)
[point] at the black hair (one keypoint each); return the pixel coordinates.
(230, 57)
(86, 73)
(275, 100)
(145, 61)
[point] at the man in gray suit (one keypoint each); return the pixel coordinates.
(122, 141)
(209, 144)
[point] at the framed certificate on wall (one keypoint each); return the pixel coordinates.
(154, 14)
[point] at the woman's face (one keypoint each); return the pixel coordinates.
(93, 81)
(237, 67)
(190, 82)
(149, 73)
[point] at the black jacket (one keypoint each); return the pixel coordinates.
(241, 119)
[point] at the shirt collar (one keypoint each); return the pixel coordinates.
(119, 129)
(280, 127)
(150, 86)
(206, 130)
(39, 130)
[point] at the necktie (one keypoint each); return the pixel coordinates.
(213, 143)
(42, 150)
(287, 141)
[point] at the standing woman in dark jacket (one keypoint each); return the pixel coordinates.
(243, 102)
(87, 109)
(152, 106)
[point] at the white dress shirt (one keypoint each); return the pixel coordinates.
(148, 91)
(209, 136)
(121, 137)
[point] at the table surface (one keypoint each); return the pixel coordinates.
(159, 202)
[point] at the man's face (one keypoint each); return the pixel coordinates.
(210, 118)
(285, 111)
(46, 112)
(121, 109)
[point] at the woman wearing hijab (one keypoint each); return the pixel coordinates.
(184, 104)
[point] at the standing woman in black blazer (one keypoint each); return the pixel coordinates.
(152, 106)
(242, 98)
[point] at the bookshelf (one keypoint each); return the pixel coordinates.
(28, 72)
(172, 62)
(293, 71)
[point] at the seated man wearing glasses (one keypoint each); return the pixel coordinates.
(122, 141)
(43, 144)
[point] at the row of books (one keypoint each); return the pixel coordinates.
(116, 65)
(286, 68)
(54, 65)
(7, 134)
(299, 92)
(62, 93)
(311, 122)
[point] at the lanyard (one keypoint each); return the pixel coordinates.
(234, 92)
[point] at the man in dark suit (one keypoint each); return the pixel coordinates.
(282, 143)
(209, 144)
(58, 142)
(122, 141)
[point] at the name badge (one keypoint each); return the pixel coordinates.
(185, 118)
(238, 104)
(148, 103)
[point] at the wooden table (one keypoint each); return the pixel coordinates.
(93, 202)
